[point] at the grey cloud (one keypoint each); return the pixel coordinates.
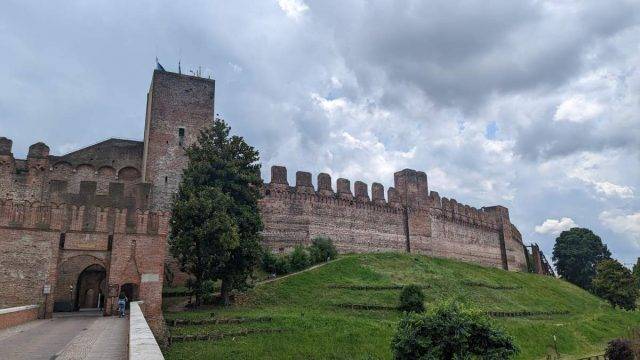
(419, 80)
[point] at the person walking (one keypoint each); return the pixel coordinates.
(122, 302)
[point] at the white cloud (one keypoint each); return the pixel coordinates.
(293, 8)
(578, 109)
(611, 189)
(555, 227)
(625, 224)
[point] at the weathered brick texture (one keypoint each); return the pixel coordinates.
(16, 316)
(439, 227)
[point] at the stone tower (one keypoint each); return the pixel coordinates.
(178, 107)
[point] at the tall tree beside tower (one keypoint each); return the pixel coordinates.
(215, 223)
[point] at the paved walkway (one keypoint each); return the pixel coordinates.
(69, 337)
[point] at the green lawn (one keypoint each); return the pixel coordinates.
(303, 306)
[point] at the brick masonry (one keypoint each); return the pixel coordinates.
(16, 316)
(93, 222)
(357, 222)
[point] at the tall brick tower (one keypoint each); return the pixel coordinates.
(178, 107)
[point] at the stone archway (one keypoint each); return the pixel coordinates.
(76, 276)
(90, 287)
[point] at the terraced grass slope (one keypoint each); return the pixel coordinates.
(305, 308)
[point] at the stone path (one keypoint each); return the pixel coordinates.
(69, 337)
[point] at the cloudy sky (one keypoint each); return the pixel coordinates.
(531, 104)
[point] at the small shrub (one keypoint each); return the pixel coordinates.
(450, 331)
(411, 299)
(619, 349)
(282, 265)
(268, 262)
(299, 259)
(322, 250)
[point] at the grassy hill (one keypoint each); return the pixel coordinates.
(305, 308)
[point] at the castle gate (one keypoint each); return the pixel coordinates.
(81, 280)
(91, 287)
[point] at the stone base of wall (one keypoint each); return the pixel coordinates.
(17, 315)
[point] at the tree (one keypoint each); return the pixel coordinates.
(450, 331)
(576, 254)
(215, 223)
(411, 299)
(614, 283)
(636, 273)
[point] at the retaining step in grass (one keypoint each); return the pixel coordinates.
(491, 286)
(219, 336)
(373, 287)
(366, 307)
(525, 313)
(186, 322)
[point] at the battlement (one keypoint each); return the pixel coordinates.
(453, 210)
(279, 187)
(69, 217)
(412, 196)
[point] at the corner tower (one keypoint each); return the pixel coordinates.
(178, 107)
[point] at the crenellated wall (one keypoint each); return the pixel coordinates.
(410, 218)
(53, 244)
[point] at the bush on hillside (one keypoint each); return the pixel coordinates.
(411, 299)
(299, 259)
(450, 331)
(619, 349)
(322, 250)
(282, 265)
(615, 283)
(268, 261)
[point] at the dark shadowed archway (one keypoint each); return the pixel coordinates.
(131, 291)
(91, 287)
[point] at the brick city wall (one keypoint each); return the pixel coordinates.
(33, 253)
(17, 315)
(294, 215)
(105, 174)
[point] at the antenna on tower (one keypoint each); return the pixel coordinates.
(179, 68)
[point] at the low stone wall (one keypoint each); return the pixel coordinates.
(17, 315)
(142, 343)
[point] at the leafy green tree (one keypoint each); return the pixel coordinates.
(614, 283)
(411, 299)
(636, 273)
(576, 253)
(215, 223)
(450, 331)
